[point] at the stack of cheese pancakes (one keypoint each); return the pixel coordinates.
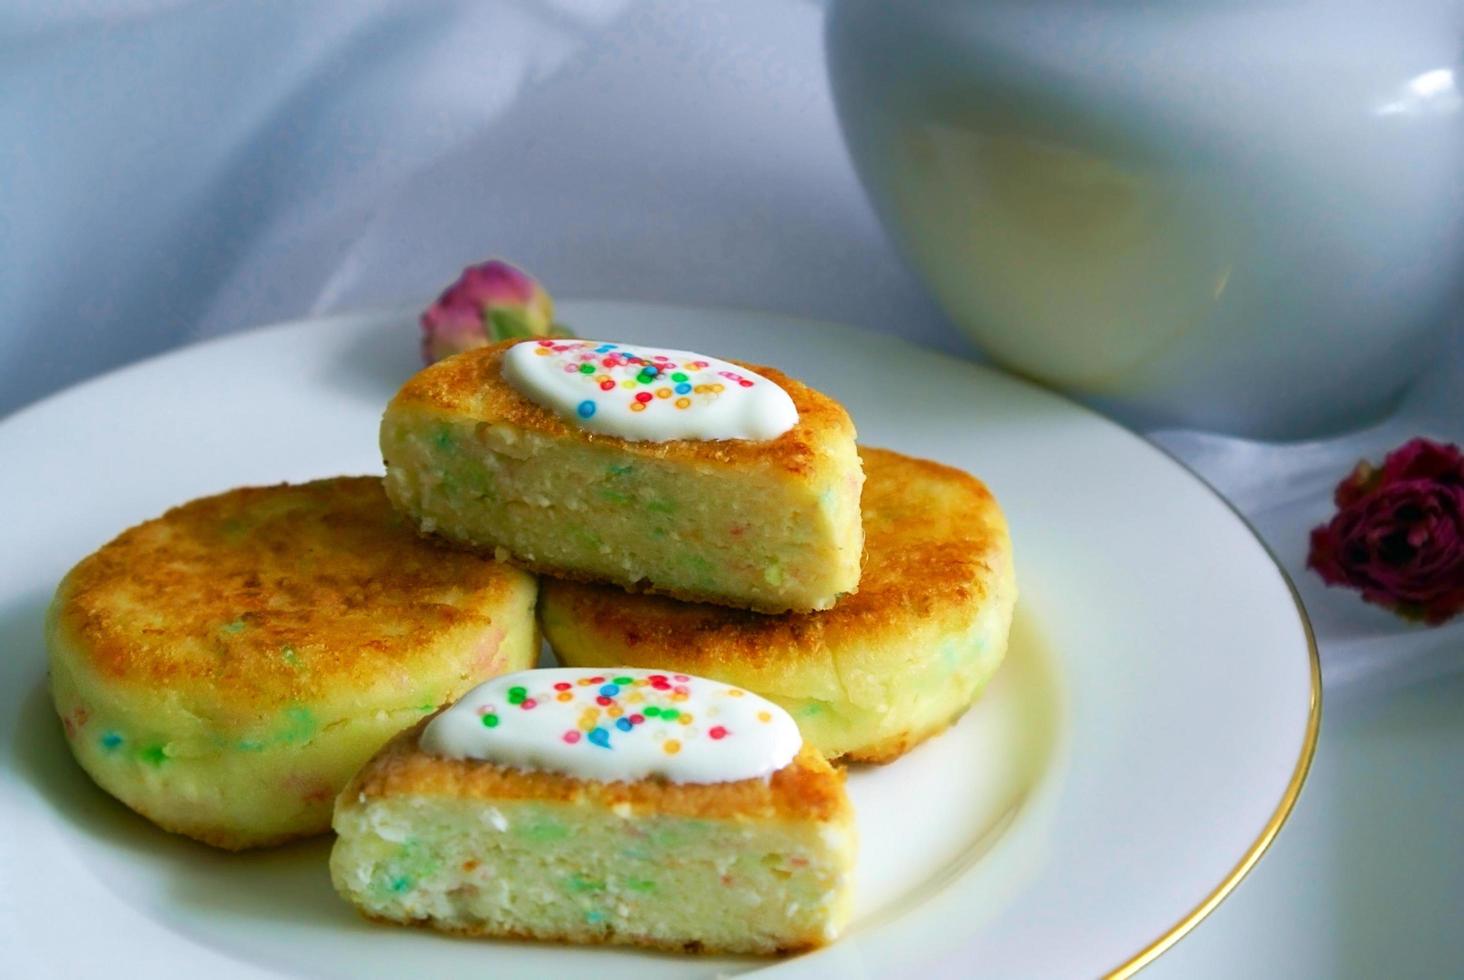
(737, 592)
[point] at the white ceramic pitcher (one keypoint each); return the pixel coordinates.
(1234, 214)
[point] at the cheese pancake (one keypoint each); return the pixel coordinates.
(770, 524)
(225, 668)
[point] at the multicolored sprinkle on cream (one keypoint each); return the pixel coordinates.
(617, 725)
(646, 394)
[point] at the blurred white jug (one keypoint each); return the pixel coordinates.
(1232, 214)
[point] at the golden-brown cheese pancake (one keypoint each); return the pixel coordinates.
(225, 668)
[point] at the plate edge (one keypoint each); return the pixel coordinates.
(1292, 793)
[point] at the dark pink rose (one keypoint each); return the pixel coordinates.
(490, 301)
(1398, 534)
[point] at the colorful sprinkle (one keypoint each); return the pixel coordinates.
(576, 710)
(677, 379)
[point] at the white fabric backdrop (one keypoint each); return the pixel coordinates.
(180, 170)
(172, 170)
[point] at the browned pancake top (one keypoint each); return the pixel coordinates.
(807, 789)
(276, 594)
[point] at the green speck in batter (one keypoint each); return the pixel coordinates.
(584, 537)
(544, 832)
(584, 883)
(299, 725)
(289, 656)
(154, 755)
(443, 439)
(625, 470)
(703, 570)
(234, 628)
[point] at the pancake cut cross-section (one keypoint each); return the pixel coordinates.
(622, 806)
(745, 497)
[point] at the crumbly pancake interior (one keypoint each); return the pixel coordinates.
(469, 847)
(761, 525)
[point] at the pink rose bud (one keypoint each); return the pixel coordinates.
(489, 302)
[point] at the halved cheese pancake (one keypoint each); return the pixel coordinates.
(883, 670)
(758, 523)
(225, 668)
(760, 864)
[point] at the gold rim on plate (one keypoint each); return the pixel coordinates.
(1283, 809)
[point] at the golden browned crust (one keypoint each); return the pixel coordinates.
(807, 789)
(471, 385)
(236, 591)
(934, 542)
(587, 937)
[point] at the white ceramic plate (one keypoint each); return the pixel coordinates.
(1136, 753)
